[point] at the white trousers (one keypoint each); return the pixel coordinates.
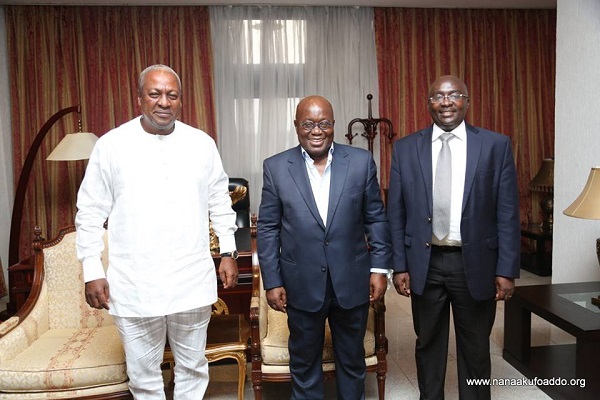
(144, 342)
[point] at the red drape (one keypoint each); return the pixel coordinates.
(64, 56)
(507, 60)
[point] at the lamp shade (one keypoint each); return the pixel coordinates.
(543, 181)
(74, 146)
(587, 205)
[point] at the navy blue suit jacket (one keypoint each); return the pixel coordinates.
(296, 248)
(490, 226)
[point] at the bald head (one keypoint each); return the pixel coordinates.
(313, 102)
(449, 80)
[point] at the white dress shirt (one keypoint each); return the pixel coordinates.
(458, 149)
(157, 192)
(319, 184)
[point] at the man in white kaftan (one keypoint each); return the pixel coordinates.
(157, 181)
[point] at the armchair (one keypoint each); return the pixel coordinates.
(270, 334)
(241, 206)
(56, 346)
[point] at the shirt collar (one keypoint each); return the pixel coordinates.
(460, 131)
(307, 157)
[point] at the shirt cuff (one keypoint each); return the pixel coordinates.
(227, 243)
(379, 271)
(92, 269)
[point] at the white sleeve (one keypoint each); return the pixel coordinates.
(94, 204)
(221, 214)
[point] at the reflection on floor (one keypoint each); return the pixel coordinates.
(401, 382)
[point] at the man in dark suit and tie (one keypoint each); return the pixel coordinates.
(455, 237)
(323, 248)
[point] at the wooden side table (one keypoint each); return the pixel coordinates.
(227, 337)
(575, 366)
(539, 262)
(20, 279)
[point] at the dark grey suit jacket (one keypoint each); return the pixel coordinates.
(490, 227)
(296, 249)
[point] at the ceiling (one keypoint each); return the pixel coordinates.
(366, 3)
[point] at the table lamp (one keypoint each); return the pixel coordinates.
(587, 206)
(543, 182)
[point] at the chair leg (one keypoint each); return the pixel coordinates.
(256, 371)
(172, 368)
(381, 386)
(257, 391)
(242, 374)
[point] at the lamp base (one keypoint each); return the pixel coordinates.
(547, 207)
(598, 249)
(596, 300)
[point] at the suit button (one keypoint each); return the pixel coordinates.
(323, 269)
(427, 244)
(326, 243)
(429, 219)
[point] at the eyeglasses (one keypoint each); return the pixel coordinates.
(453, 97)
(309, 125)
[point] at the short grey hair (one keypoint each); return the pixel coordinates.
(156, 67)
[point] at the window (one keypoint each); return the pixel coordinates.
(287, 41)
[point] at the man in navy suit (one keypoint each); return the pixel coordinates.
(323, 248)
(475, 262)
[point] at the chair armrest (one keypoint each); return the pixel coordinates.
(255, 353)
(381, 342)
(255, 317)
(254, 303)
(8, 325)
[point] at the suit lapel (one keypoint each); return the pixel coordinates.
(424, 156)
(339, 172)
(299, 175)
(474, 143)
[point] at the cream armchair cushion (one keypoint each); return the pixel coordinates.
(57, 346)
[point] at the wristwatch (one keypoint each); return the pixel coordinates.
(233, 254)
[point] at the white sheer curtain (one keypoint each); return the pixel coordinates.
(267, 58)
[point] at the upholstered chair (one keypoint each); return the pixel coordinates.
(241, 206)
(56, 346)
(270, 334)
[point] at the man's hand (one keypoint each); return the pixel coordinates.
(505, 287)
(97, 294)
(402, 283)
(378, 286)
(228, 272)
(277, 298)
